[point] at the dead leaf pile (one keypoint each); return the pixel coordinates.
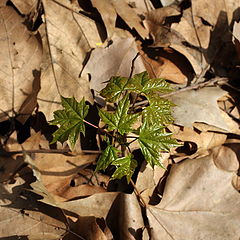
(50, 48)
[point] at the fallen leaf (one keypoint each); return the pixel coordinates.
(199, 202)
(198, 141)
(88, 228)
(20, 216)
(25, 7)
(109, 10)
(163, 65)
(67, 38)
(113, 63)
(199, 106)
(58, 170)
(125, 218)
(226, 158)
(21, 55)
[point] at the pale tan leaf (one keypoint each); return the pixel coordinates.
(125, 218)
(214, 9)
(68, 36)
(22, 217)
(88, 228)
(108, 15)
(26, 6)
(58, 170)
(225, 157)
(113, 63)
(199, 106)
(198, 141)
(199, 202)
(109, 10)
(20, 56)
(97, 205)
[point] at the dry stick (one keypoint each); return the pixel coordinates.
(138, 194)
(59, 151)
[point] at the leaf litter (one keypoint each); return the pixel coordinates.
(73, 48)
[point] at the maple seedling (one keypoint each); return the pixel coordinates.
(119, 125)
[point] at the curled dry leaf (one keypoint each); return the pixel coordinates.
(67, 38)
(197, 141)
(226, 157)
(20, 57)
(199, 202)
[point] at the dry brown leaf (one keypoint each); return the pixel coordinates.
(148, 178)
(125, 217)
(200, 106)
(108, 15)
(198, 142)
(58, 170)
(236, 34)
(109, 10)
(200, 34)
(113, 63)
(214, 9)
(68, 36)
(162, 66)
(22, 217)
(20, 57)
(88, 228)
(26, 6)
(199, 202)
(97, 205)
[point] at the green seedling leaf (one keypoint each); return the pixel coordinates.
(125, 167)
(159, 112)
(141, 83)
(153, 140)
(107, 157)
(70, 120)
(115, 88)
(120, 119)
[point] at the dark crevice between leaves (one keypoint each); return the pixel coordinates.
(89, 141)
(91, 12)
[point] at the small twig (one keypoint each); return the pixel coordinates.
(60, 151)
(212, 82)
(132, 65)
(138, 194)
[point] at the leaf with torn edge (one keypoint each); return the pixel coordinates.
(70, 120)
(125, 167)
(153, 139)
(120, 120)
(107, 157)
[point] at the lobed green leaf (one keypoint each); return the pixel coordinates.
(120, 119)
(115, 87)
(107, 157)
(70, 120)
(125, 166)
(153, 140)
